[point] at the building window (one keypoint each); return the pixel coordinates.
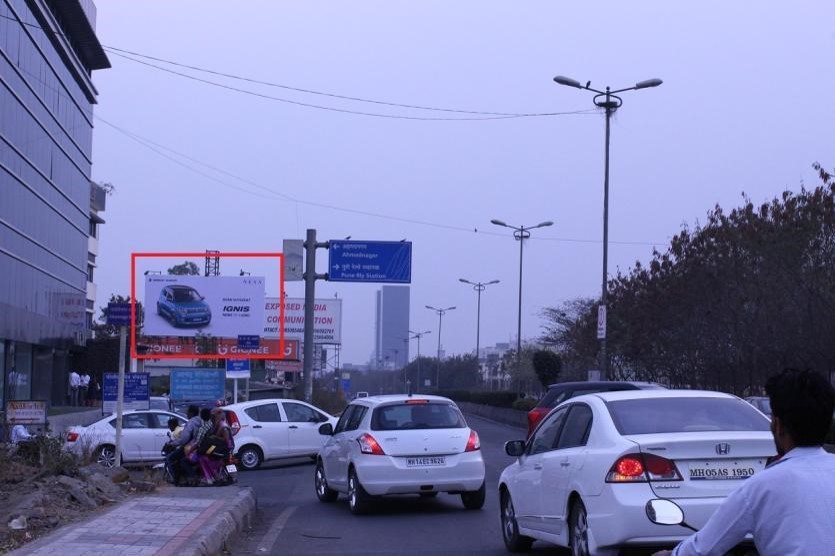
(94, 228)
(90, 269)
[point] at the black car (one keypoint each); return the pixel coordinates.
(558, 393)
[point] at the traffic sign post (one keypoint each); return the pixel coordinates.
(118, 314)
(370, 261)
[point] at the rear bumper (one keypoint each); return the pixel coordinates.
(618, 517)
(381, 475)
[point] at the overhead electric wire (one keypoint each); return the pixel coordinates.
(155, 147)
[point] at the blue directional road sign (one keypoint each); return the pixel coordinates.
(137, 392)
(237, 368)
(370, 261)
(118, 314)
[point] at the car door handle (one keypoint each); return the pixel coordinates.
(565, 463)
(257, 427)
(537, 466)
(294, 426)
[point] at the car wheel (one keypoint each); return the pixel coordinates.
(323, 492)
(251, 457)
(474, 500)
(578, 530)
(106, 455)
(359, 501)
(513, 541)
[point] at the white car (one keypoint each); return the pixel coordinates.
(584, 478)
(275, 429)
(400, 445)
(144, 433)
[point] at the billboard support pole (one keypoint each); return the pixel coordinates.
(235, 391)
(120, 394)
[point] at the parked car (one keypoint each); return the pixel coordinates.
(762, 403)
(558, 393)
(400, 444)
(585, 476)
(143, 435)
(160, 402)
(275, 429)
(183, 306)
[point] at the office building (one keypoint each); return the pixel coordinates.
(48, 207)
(391, 347)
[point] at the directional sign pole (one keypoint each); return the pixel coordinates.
(120, 393)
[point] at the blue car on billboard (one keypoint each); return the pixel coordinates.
(183, 306)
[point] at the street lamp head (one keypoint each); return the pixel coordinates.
(464, 281)
(449, 308)
(499, 223)
(567, 81)
(431, 308)
(648, 83)
(492, 282)
(544, 224)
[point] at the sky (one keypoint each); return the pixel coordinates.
(744, 107)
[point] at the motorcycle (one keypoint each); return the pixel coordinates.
(666, 512)
(228, 472)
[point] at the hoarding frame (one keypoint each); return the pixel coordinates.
(199, 255)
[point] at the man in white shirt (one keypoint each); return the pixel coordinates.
(789, 508)
(75, 384)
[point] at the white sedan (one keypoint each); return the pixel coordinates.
(144, 433)
(585, 476)
(275, 429)
(400, 445)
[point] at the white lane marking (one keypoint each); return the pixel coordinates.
(271, 536)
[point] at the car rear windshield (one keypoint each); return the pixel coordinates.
(662, 415)
(409, 416)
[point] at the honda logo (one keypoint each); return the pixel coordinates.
(723, 448)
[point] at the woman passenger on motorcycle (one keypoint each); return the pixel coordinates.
(212, 463)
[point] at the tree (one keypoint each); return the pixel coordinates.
(187, 268)
(547, 365)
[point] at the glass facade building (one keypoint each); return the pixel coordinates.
(391, 348)
(48, 49)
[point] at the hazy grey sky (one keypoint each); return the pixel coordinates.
(745, 106)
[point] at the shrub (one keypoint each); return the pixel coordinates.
(525, 404)
(495, 399)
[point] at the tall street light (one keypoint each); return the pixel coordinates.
(417, 336)
(520, 233)
(610, 102)
(441, 313)
(478, 287)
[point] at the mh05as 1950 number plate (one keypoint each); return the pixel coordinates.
(428, 461)
(709, 471)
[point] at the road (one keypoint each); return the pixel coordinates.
(292, 520)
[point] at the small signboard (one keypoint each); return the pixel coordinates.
(601, 322)
(26, 412)
(237, 368)
(249, 342)
(118, 314)
(198, 384)
(293, 260)
(370, 261)
(137, 392)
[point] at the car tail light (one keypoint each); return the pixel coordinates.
(72, 436)
(368, 445)
(640, 468)
(535, 415)
(473, 443)
(416, 402)
(233, 421)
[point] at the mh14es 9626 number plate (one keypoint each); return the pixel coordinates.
(425, 461)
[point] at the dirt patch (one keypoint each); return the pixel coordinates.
(38, 499)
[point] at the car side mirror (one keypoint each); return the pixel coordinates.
(326, 429)
(664, 512)
(514, 448)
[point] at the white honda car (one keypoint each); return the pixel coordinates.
(400, 444)
(585, 476)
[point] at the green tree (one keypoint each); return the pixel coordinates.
(187, 268)
(547, 365)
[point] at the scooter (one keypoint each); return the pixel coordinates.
(666, 512)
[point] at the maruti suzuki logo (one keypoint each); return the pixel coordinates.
(723, 449)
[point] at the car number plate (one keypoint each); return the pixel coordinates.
(426, 461)
(731, 470)
(231, 468)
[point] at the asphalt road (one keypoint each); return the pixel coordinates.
(291, 520)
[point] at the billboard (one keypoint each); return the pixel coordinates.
(164, 347)
(220, 306)
(327, 319)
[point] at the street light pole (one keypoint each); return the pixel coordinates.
(610, 102)
(520, 233)
(478, 287)
(417, 336)
(441, 313)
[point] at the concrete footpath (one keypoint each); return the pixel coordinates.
(183, 521)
